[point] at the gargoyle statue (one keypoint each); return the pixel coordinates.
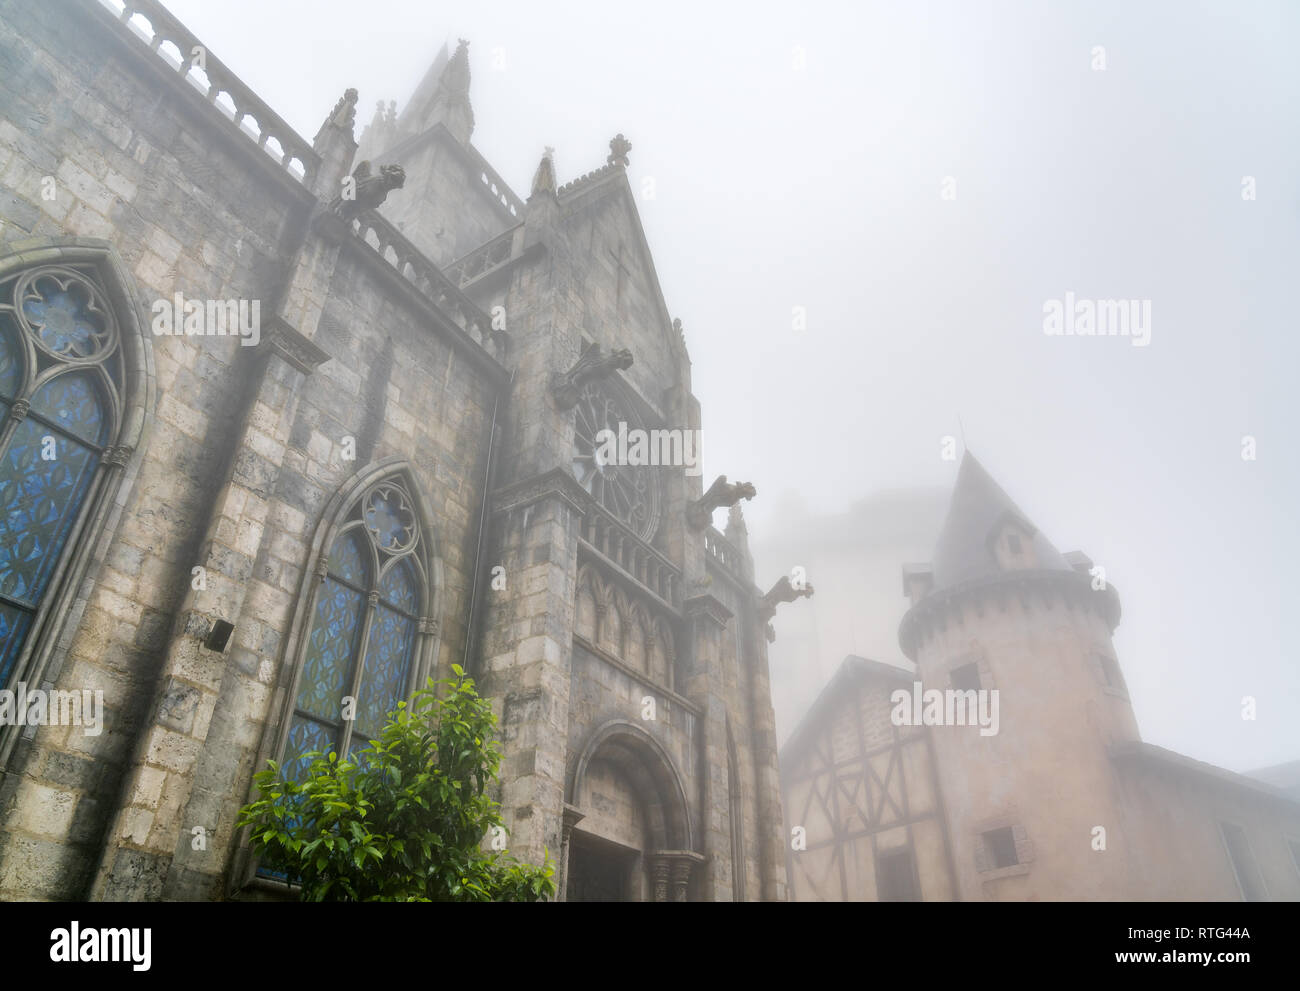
(721, 493)
(371, 190)
(593, 364)
(783, 591)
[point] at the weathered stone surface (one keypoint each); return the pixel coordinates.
(245, 451)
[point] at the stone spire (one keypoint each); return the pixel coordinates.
(442, 97)
(336, 146)
(381, 133)
(544, 177)
(737, 532)
(542, 211)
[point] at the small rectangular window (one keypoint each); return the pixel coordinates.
(1013, 542)
(966, 678)
(1243, 863)
(1000, 844)
(896, 877)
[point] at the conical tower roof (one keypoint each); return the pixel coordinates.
(976, 514)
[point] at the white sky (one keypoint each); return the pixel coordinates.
(819, 187)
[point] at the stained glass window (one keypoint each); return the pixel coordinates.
(359, 656)
(59, 366)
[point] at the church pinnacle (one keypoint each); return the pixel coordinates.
(544, 177)
(442, 97)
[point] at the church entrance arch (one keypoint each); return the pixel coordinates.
(627, 829)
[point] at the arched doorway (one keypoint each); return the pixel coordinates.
(627, 830)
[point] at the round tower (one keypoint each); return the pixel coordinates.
(1033, 806)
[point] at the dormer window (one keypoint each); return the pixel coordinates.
(1011, 542)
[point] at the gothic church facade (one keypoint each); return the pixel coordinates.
(366, 453)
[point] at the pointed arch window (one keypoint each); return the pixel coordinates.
(361, 652)
(61, 382)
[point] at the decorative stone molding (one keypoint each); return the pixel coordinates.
(430, 626)
(592, 365)
(294, 348)
(699, 513)
(557, 483)
(619, 146)
(672, 871)
(707, 607)
(19, 410)
(118, 456)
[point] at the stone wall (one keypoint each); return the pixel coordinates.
(244, 453)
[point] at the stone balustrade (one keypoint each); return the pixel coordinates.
(619, 545)
(391, 245)
(150, 22)
(718, 548)
(483, 259)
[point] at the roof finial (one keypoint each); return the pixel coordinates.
(619, 146)
(544, 177)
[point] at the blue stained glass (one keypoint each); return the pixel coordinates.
(11, 364)
(358, 750)
(388, 520)
(63, 320)
(350, 559)
(388, 662)
(306, 735)
(72, 402)
(398, 588)
(38, 505)
(13, 627)
(331, 650)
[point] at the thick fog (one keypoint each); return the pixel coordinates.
(922, 180)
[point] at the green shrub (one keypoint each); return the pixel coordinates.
(405, 820)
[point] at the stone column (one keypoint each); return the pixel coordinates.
(660, 867)
(673, 870)
(682, 869)
(526, 646)
(706, 619)
(571, 818)
(767, 777)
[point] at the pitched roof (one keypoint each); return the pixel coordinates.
(1159, 757)
(977, 511)
(853, 670)
(1284, 776)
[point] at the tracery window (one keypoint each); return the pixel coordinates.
(360, 654)
(631, 492)
(60, 409)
